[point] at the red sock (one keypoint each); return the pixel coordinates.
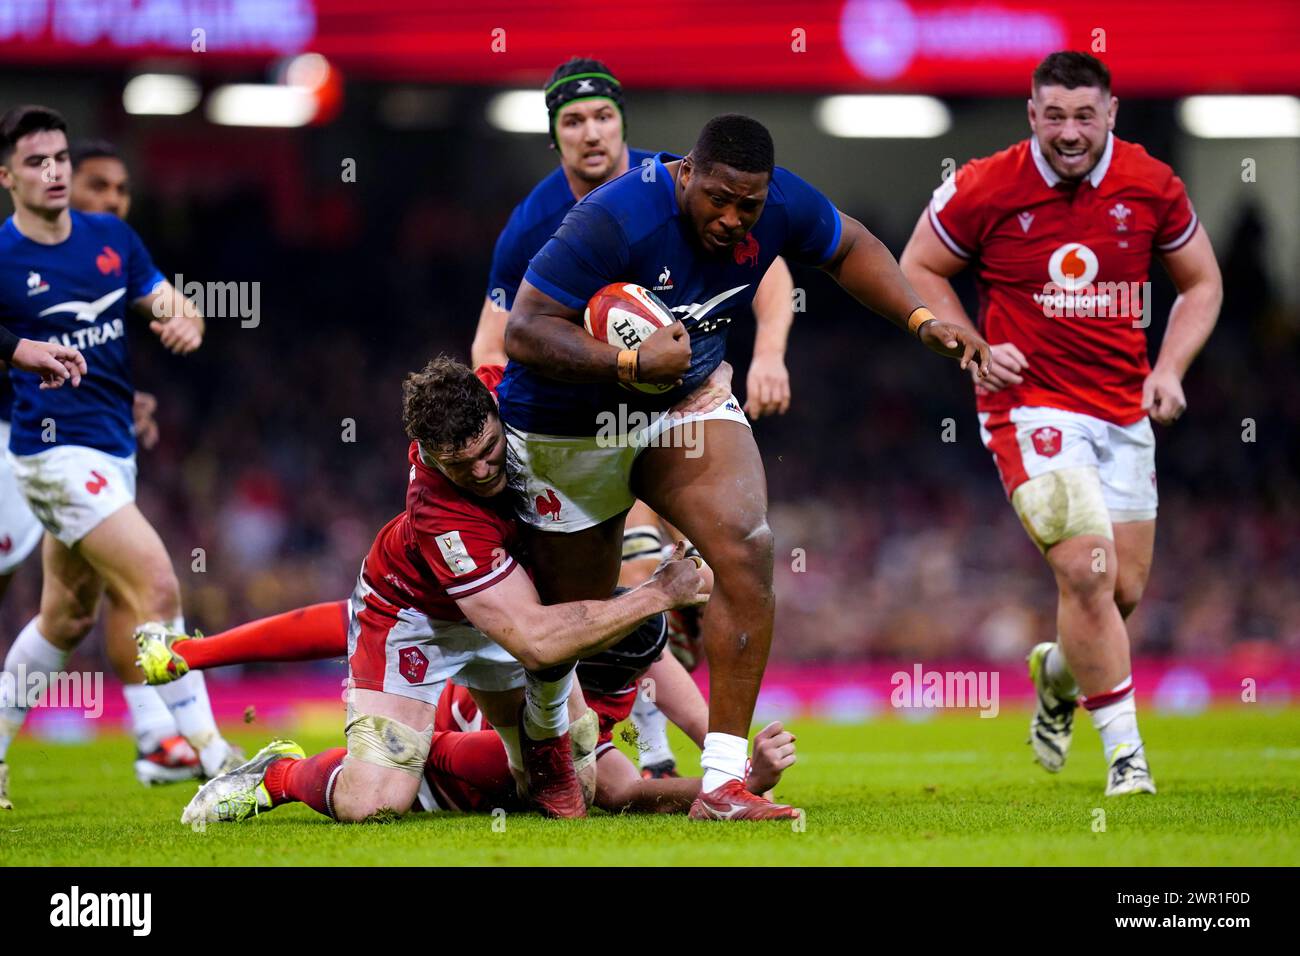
(309, 781)
(470, 769)
(307, 634)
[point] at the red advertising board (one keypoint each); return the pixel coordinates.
(944, 46)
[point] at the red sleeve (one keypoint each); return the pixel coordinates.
(464, 546)
(490, 375)
(957, 210)
(1178, 222)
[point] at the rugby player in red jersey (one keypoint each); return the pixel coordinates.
(1061, 229)
(440, 595)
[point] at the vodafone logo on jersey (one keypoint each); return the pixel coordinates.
(1072, 266)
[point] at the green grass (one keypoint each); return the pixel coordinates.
(954, 791)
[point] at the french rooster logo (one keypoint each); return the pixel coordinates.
(746, 251)
(550, 505)
(109, 261)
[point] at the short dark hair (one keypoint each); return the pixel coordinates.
(1071, 69)
(445, 406)
(22, 120)
(84, 149)
(741, 142)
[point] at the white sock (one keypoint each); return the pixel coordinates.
(1059, 678)
(151, 721)
(651, 732)
(1117, 722)
(31, 653)
(187, 699)
(723, 759)
(546, 706)
(510, 738)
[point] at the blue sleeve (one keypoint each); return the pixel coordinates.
(587, 253)
(814, 221)
(509, 261)
(142, 276)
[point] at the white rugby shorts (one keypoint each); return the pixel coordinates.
(71, 488)
(402, 651)
(569, 484)
(1030, 441)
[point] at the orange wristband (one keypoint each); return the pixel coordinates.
(627, 366)
(918, 318)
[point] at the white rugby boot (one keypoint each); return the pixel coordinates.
(1052, 726)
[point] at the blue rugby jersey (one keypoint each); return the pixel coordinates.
(630, 229)
(77, 292)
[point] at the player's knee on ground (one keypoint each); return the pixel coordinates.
(398, 750)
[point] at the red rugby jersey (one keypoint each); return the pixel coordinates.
(1060, 269)
(447, 544)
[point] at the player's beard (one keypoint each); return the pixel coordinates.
(612, 159)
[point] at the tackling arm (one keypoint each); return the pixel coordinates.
(541, 636)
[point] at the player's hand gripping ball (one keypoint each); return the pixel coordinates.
(625, 315)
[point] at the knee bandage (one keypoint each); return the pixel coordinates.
(642, 541)
(1062, 504)
(385, 742)
(583, 734)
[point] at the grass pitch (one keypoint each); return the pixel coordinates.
(952, 791)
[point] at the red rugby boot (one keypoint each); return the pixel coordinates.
(732, 801)
(173, 760)
(553, 785)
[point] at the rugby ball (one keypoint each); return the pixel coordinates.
(625, 315)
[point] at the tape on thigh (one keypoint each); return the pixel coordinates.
(1062, 504)
(390, 743)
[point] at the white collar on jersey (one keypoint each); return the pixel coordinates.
(1049, 175)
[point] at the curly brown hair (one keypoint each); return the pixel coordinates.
(445, 406)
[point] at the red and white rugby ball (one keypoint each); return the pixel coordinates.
(625, 315)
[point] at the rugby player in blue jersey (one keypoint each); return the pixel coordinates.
(715, 220)
(66, 279)
(102, 183)
(588, 129)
